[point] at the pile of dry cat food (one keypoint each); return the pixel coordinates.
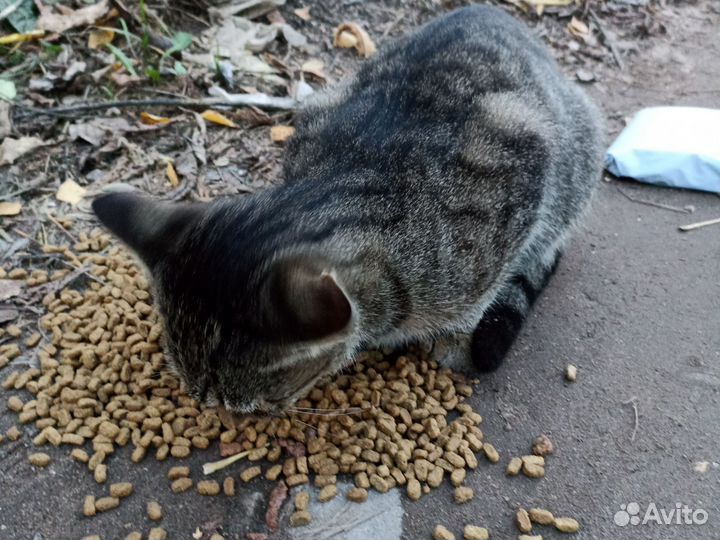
(101, 383)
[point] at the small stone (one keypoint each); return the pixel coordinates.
(441, 533)
(571, 373)
(566, 525)
(523, 521)
(463, 494)
(299, 519)
(542, 446)
(472, 532)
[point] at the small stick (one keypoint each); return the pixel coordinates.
(609, 42)
(699, 224)
(651, 203)
(209, 468)
(633, 401)
(62, 229)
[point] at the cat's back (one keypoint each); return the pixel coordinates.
(475, 73)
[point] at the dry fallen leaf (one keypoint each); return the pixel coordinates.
(217, 118)
(172, 175)
(314, 67)
(280, 134)
(100, 38)
(10, 208)
(11, 149)
(70, 192)
(55, 22)
(343, 34)
(153, 119)
(9, 288)
(578, 28)
(303, 13)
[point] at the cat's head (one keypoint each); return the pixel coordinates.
(249, 324)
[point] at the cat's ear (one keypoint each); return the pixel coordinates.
(307, 303)
(149, 227)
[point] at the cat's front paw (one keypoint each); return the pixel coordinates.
(453, 352)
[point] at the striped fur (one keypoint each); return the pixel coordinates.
(426, 198)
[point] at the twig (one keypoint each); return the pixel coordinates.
(651, 203)
(260, 100)
(608, 41)
(699, 224)
(633, 401)
(62, 229)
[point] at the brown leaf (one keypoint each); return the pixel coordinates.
(100, 38)
(9, 288)
(11, 149)
(172, 175)
(58, 23)
(280, 134)
(303, 13)
(217, 118)
(343, 34)
(10, 208)
(70, 192)
(153, 119)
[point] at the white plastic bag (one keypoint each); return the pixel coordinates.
(670, 146)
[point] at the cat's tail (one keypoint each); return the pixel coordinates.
(502, 321)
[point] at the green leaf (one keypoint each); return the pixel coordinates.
(179, 69)
(7, 90)
(152, 74)
(124, 60)
(180, 41)
(23, 19)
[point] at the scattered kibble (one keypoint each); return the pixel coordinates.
(157, 533)
(302, 500)
(89, 506)
(250, 473)
(178, 472)
(121, 489)
(441, 533)
(463, 494)
(208, 487)
(106, 503)
(514, 466)
(473, 532)
(533, 466)
(327, 493)
(566, 525)
(13, 433)
(541, 516)
(357, 494)
(300, 518)
(229, 486)
(134, 535)
(490, 453)
(522, 519)
(154, 511)
(181, 484)
(39, 459)
(542, 446)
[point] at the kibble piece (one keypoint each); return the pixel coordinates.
(291, 481)
(533, 470)
(514, 466)
(13, 433)
(91, 537)
(15, 404)
(273, 472)
(299, 519)
(251, 472)
(357, 494)
(463, 494)
(121, 489)
(541, 517)
(522, 519)
(181, 484)
(327, 493)
(414, 490)
(154, 511)
(134, 535)
(80, 455)
(89, 506)
(441, 533)
(457, 477)
(567, 525)
(229, 486)
(208, 487)
(178, 472)
(542, 446)
(571, 373)
(106, 503)
(530, 537)
(473, 532)
(157, 533)
(100, 473)
(491, 453)
(302, 500)
(39, 459)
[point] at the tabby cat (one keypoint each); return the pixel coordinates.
(427, 198)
